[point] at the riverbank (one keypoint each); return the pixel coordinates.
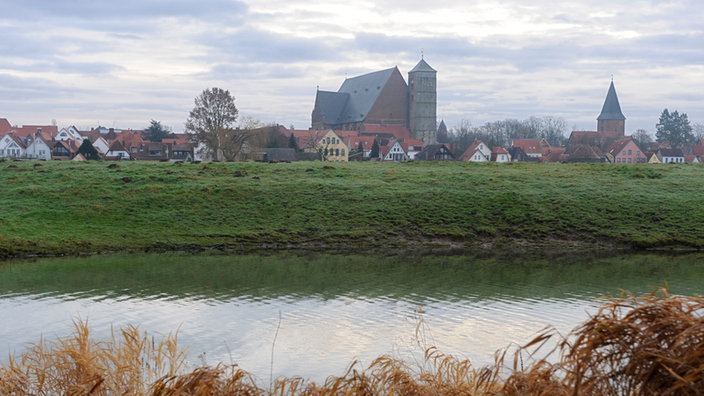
(68, 208)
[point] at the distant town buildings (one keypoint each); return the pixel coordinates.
(376, 116)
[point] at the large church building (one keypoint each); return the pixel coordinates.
(382, 100)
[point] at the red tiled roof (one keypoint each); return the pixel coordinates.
(467, 155)
(399, 131)
(178, 138)
(531, 146)
(416, 143)
(5, 126)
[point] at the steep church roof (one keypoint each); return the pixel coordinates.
(422, 66)
(363, 92)
(331, 105)
(611, 109)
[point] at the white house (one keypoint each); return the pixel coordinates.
(669, 156)
(101, 145)
(38, 149)
(70, 133)
(477, 152)
(396, 153)
(11, 147)
(499, 154)
(117, 151)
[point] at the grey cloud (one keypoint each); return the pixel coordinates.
(251, 45)
(126, 10)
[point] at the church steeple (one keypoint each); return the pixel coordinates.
(422, 102)
(611, 118)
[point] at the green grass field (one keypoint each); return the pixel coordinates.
(51, 208)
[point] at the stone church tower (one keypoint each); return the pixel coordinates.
(422, 102)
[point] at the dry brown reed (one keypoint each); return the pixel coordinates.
(648, 345)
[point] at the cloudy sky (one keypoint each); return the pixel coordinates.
(122, 63)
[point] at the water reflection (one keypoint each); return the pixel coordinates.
(329, 309)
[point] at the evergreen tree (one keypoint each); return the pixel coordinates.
(88, 151)
(674, 128)
(292, 142)
(443, 135)
(155, 132)
(375, 149)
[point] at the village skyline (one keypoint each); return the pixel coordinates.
(121, 65)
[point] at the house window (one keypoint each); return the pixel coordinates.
(630, 152)
(343, 151)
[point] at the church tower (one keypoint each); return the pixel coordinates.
(611, 118)
(422, 102)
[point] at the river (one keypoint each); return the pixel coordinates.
(311, 315)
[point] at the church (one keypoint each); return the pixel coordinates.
(382, 101)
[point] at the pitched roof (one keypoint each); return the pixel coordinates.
(611, 109)
(469, 153)
(532, 146)
(422, 66)
(670, 152)
(618, 146)
(429, 152)
(331, 105)
(364, 91)
(5, 126)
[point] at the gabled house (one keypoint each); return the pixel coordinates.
(332, 148)
(652, 158)
(478, 151)
(69, 133)
(518, 155)
(670, 156)
(411, 147)
(395, 153)
(38, 149)
(435, 152)
(101, 145)
(500, 154)
(132, 141)
(64, 150)
(625, 151)
(117, 151)
(585, 153)
(534, 148)
(11, 146)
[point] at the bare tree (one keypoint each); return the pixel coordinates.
(211, 123)
(698, 130)
(642, 139)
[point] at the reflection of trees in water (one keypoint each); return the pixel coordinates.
(327, 276)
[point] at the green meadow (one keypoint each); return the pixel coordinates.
(58, 208)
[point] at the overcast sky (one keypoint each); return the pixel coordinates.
(122, 63)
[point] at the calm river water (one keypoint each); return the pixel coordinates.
(317, 313)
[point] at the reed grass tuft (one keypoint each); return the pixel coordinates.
(633, 345)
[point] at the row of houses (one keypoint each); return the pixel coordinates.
(47, 142)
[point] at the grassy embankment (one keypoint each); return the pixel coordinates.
(71, 208)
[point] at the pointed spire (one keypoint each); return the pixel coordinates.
(611, 109)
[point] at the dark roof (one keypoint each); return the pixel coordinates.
(422, 66)
(434, 152)
(671, 152)
(362, 92)
(611, 109)
(331, 105)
